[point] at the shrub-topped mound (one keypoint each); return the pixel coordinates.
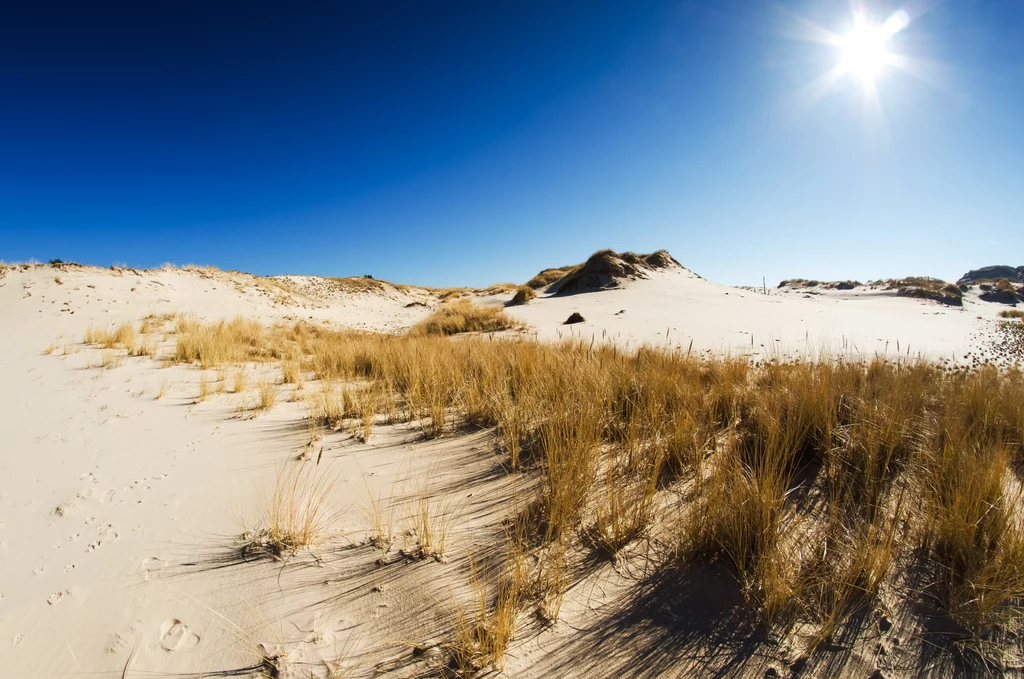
(523, 295)
(606, 269)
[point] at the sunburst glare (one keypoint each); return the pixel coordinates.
(866, 48)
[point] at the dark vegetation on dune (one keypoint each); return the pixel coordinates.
(549, 276)
(923, 287)
(992, 273)
(606, 269)
(524, 293)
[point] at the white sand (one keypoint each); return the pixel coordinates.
(137, 564)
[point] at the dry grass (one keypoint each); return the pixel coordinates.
(161, 390)
(464, 316)
(382, 532)
(549, 276)
(297, 515)
(204, 386)
(266, 392)
(804, 481)
(291, 372)
(238, 384)
(430, 523)
(1011, 313)
(484, 629)
(110, 358)
(121, 337)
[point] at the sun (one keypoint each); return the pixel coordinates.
(864, 52)
(866, 49)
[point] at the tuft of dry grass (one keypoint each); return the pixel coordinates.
(464, 316)
(484, 629)
(266, 391)
(238, 384)
(1011, 313)
(382, 531)
(110, 358)
(161, 390)
(121, 337)
(291, 371)
(204, 386)
(297, 515)
(431, 522)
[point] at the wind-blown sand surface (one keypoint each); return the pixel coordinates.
(120, 512)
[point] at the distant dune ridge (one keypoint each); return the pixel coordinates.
(992, 273)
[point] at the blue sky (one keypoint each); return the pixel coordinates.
(449, 143)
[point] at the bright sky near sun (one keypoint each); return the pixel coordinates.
(465, 143)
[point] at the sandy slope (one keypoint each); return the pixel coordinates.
(144, 486)
(119, 513)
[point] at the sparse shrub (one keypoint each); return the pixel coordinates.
(1011, 313)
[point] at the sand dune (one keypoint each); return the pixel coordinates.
(123, 493)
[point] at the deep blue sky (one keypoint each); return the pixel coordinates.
(465, 143)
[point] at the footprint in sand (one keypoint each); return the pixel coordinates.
(70, 567)
(176, 635)
(89, 476)
(107, 532)
(55, 598)
(108, 496)
(17, 639)
(39, 570)
(151, 567)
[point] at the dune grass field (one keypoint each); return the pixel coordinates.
(222, 475)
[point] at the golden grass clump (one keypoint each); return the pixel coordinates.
(297, 514)
(464, 316)
(484, 629)
(121, 337)
(110, 359)
(204, 386)
(266, 392)
(1011, 313)
(430, 524)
